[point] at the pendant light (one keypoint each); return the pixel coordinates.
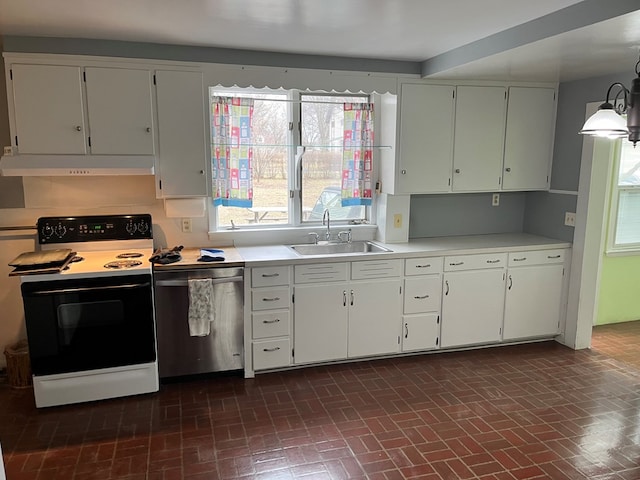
(609, 122)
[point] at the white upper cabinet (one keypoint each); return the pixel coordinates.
(479, 138)
(48, 109)
(426, 138)
(120, 113)
(182, 153)
(529, 138)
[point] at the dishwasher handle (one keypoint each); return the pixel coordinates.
(185, 283)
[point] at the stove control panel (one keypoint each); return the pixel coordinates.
(94, 228)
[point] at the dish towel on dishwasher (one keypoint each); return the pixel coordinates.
(201, 307)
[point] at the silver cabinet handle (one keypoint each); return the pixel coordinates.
(344, 298)
(510, 282)
(446, 282)
(457, 170)
(270, 275)
(508, 169)
(274, 349)
(274, 299)
(520, 259)
(423, 266)
(148, 129)
(406, 330)
(404, 172)
(201, 172)
(417, 297)
(493, 261)
(275, 320)
(456, 264)
(352, 297)
(553, 256)
(78, 128)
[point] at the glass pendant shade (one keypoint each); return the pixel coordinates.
(605, 123)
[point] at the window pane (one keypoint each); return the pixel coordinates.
(628, 225)
(270, 165)
(629, 173)
(322, 132)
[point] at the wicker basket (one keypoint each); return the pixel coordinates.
(18, 365)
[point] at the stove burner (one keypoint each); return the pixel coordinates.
(129, 255)
(122, 264)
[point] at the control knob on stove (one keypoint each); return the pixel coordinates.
(131, 228)
(60, 230)
(143, 227)
(47, 231)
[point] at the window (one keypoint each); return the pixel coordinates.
(277, 199)
(625, 208)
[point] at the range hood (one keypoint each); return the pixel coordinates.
(75, 165)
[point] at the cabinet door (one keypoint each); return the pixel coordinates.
(532, 306)
(49, 113)
(529, 138)
(119, 107)
(181, 133)
(320, 322)
(426, 136)
(472, 307)
(479, 138)
(374, 311)
(420, 332)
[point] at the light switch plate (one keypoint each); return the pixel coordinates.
(397, 220)
(570, 219)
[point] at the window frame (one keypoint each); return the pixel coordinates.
(613, 248)
(294, 137)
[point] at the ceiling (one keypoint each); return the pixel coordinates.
(546, 40)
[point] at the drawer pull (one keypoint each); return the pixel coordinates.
(493, 261)
(274, 349)
(274, 299)
(553, 256)
(418, 297)
(275, 320)
(270, 275)
(456, 264)
(520, 259)
(423, 266)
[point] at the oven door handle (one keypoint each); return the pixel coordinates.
(90, 289)
(185, 283)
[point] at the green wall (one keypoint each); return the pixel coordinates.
(619, 297)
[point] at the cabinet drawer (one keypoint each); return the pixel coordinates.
(269, 276)
(271, 354)
(270, 298)
(423, 266)
(376, 269)
(422, 294)
(270, 324)
(536, 257)
(475, 262)
(321, 272)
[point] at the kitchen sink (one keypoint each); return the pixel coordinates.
(324, 248)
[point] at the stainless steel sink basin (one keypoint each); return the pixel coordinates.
(338, 248)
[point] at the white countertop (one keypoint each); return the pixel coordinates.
(435, 246)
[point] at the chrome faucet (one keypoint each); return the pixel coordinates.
(326, 216)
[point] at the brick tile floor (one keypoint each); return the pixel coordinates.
(538, 411)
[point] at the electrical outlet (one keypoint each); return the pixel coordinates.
(397, 220)
(186, 225)
(495, 200)
(570, 219)
(8, 150)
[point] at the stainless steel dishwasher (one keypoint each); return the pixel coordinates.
(181, 354)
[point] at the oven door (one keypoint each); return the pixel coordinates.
(78, 325)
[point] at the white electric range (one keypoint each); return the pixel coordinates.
(90, 326)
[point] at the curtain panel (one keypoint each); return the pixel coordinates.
(357, 156)
(232, 151)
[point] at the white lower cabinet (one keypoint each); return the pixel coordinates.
(339, 319)
(473, 300)
(420, 332)
(533, 295)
